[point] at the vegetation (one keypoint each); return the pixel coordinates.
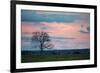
(42, 40)
(59, 57)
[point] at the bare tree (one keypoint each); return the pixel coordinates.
(42, 39)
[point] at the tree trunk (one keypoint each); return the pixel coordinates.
(41, 47)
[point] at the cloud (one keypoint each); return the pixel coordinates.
(45, 16)
(63, 38)
(62, 35)
(85, 32)
(61, 44)
(85, 29)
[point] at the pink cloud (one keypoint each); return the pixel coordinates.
(28, 27)
(56, 29)
(60, 30)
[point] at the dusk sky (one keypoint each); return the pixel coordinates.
(67, 30)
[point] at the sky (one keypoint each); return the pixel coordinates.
(67, 30)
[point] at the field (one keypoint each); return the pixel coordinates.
(65, 55)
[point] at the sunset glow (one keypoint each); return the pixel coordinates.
(66, 30)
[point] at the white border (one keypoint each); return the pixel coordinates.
(20, 65)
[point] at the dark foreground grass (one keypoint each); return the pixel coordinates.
(45, 58)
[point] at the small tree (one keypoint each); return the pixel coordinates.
(42, 39)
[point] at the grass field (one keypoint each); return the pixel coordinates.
(59, 57)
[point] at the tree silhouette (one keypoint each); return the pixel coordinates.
(42, 40)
